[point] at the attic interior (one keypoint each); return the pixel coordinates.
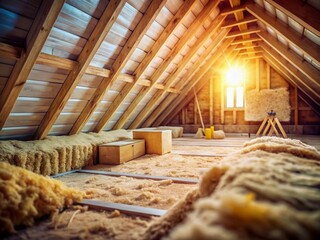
(159, 119)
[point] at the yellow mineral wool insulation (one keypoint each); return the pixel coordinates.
(218, 134)
(258, 103)
(57, 154)
(276, 145)
(253, 195)
(26, 196)
(176, 131)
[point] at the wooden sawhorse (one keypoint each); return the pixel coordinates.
(269, 126)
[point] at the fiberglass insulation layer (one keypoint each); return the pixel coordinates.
(26, 196)
(264, 191)
(57, 154)
(258, 103)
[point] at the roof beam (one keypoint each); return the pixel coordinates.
(187, 36)
(233, 10)
(99, 33)
(217, 39)
(301, 12)
(13, 52)
(301, 81)
(306, 45)
(36, 38)
(197, 82)
(247, 40)
(151, 13)
(172, 25)
(243, 32)
(233, 23)
(285, 73)
(179, 68)
(244, 47)
(306, 68)
(190, 79)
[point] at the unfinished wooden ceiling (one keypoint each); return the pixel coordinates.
(80, 65)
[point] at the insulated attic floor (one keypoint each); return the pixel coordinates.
(189, 158)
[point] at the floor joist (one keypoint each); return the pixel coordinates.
(140, 176)
(123, 208)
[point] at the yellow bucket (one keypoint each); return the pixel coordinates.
(212, 131)
(208, 133)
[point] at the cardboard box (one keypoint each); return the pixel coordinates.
(121, 151)
(157, 141)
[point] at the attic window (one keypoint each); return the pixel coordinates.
(234, 88)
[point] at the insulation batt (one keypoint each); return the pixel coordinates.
(26, 196)
(258, 103)
(269, 192)
(57, 154)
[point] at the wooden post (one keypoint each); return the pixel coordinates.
(195, 112)
(222, 100)
(268, 77)
(258, 74)
(211, 101)
(296, 110)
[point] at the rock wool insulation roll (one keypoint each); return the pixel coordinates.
(258, 103)
(26, 196)
(57, 154)
(261, 192)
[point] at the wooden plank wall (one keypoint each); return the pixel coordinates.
(188, 116)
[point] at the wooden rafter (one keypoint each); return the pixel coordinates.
(301, 12)
(190, 79)
(9, 51)
(13, 52)
(300, 79)
(123, 57)
(217, 38)
(247, 40)
(160, 70)
(306, 45)
(233, 23)
(244, 32)
(99, 33)
(282, 70)
(303, 66)
(182, 64)
(36, 38)
(172, 25)
(201, 79)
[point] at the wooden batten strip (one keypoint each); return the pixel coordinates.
(307, 46)
(187, 36)
(123, 208)
(172, 25)
(217, 38)
(99, 33)
(36, 38)
(141, 176)
(123, 57)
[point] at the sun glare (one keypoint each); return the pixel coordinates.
(235, 76)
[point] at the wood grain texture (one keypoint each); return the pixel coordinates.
(100, 31)
(36, 38)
